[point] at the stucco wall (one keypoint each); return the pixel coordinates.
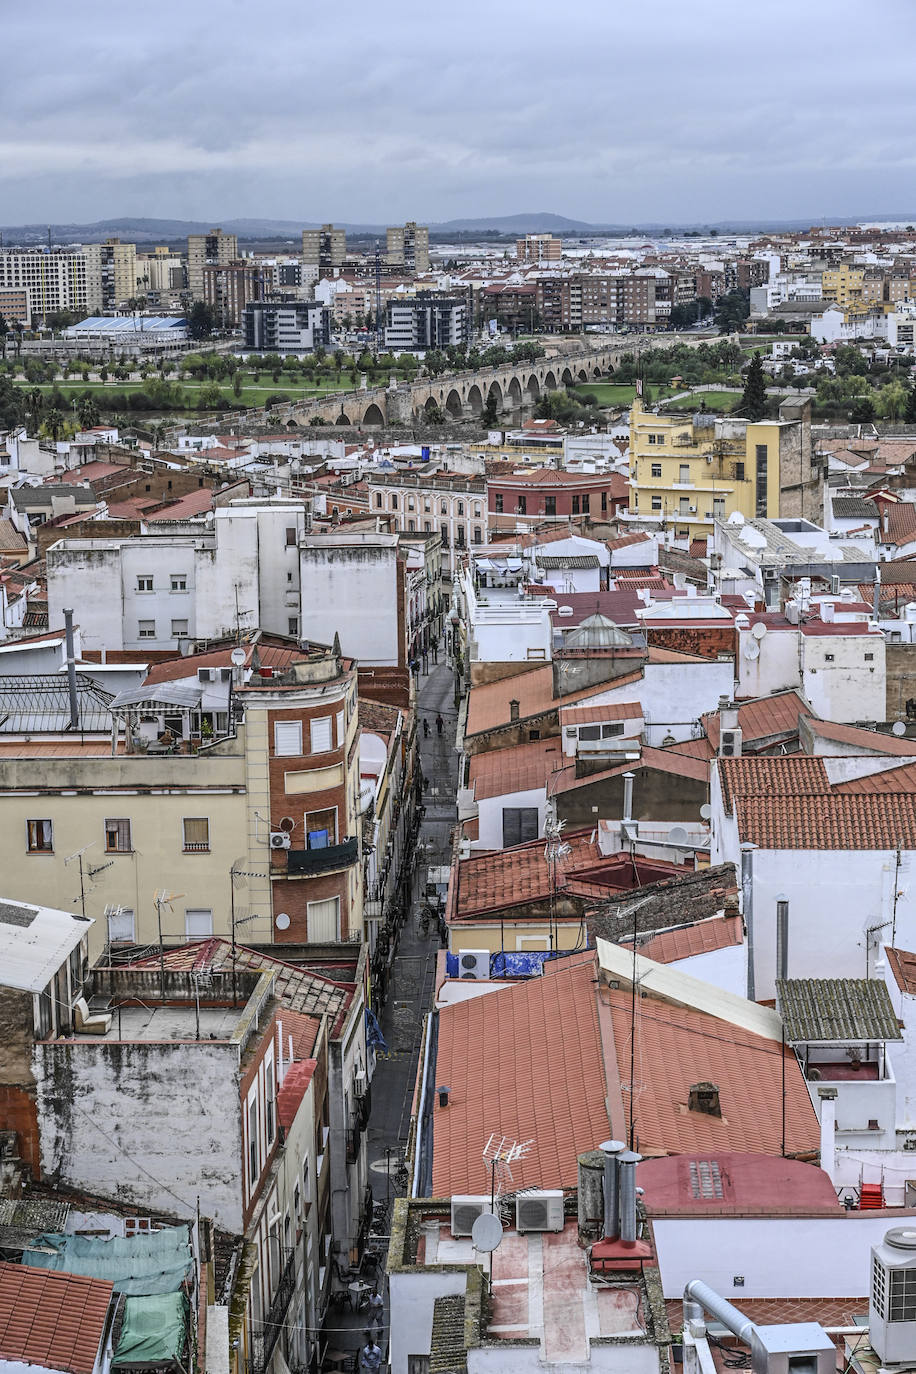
(155, 1124)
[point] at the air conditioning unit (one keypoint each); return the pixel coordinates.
(770, 574)
(474, 963)
(206, 674)
(540, 1211)
(892, 1330)
(279, 840)
(730, 744)
(465, 1211)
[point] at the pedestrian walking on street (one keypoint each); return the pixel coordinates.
(439, 724)
(376, 1311)
(425, 728)
(370, 1357)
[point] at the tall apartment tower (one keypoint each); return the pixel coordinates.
(119, 273)
(538, 248)
(408, 246)
(324, 248)
(213, 249)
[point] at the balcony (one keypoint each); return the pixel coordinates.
(264, 1341)
(304, 862)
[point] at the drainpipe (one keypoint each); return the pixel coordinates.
(71, 671)
(747, 903)
(828, 1131)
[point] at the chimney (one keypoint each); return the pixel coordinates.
(876, 594)
(513, 710)
(828, 612)
(628, 797)
(782, 937)
(828, 1131)
(612, 1149)
(704, 1097)
(71, 671)
(728, 715)
(626, 1182)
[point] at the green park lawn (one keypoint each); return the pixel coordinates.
(714, 400)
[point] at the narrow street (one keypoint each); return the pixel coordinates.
(410, 988)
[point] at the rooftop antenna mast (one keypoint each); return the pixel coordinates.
(500, 1153)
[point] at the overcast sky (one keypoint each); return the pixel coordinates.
(661, 110)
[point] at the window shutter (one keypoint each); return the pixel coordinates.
(321, 735)
(288, 738)
(322, 918)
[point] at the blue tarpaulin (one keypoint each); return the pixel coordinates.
(374, 1038)
(509, 964)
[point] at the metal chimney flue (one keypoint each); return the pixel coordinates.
(612, 1149)
(782, 937)
(71, 670)
(628, 796)
(627, 1161)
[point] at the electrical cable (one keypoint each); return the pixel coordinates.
(127, 1155)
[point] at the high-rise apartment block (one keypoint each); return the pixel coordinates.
(119, 273)
(427, 321)
(212, 249)
(408, 246)
(228, 287)
(539, 248)
(55, 278)
(324, 248)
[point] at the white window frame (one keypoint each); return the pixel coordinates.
(309, 917)
(180, 633)
(195, 846)
(193, 916)
(146, 629)
(288, 739)
(120, 921)
(143, 578)
(316, 737)
(341, 730)
(178, 582)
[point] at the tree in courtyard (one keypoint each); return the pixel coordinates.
(862, 411)
(754, 401)
(909, 413)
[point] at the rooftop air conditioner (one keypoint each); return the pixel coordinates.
(474, 963)
(465, 1211)
(279, 840)
(730, 744)
(205, 674)
(540, 1211)
(891, 1317)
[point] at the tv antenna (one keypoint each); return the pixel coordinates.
(500, 1153)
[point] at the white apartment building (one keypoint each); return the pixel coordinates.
(454, 507)
(56, 278)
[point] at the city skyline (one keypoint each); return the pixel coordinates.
(612, 117)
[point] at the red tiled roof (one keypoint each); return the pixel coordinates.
(303, 1029)
(586, 715)
(626, 541)
(677, 1047)
(875, 741)
(488, 704)
(508, 877)
(11, 541)
(820, 629)
(902, 965)
(293, 1088)
(698, 548)
(748, 1183)
(774, 715)
(520, 769)
(194, 503)
(52, 1319)
(524, 1062)
(718, 932)
(270, 655)
(693, 748)
(661, 760)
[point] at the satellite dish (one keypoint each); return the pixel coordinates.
(758, 630)
(705, 811)
(752, 651)
(486, 1233)
(238, 656)
(898, 728)
(282, 922)
(677, 835)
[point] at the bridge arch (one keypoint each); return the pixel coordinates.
(514, 393)
(495, 394)
(373, 415)
(566, 376)
(453, 404)
(533, 387)
(583, 375)
(597, 372)
(474, 399)
(342, 419)
(550, 381)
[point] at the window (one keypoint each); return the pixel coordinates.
(684, 507)
(410, 503)
(291, 530)
(252, 1142)
(522, 507)
(117, 837)
(196, 830)
(40, 837)
(477, 509)
(288, 738)
(761, 458)
(443, 535)
(179, 629)
(321, 828)
(289, 577)
(498, 503)
(585, 505)
(427, 527)
(293, 626)
(683, 476)
(394, 500)
(427, 504)
(178, 582)
(321, 734)
(323, 920)
(146, 629)
(828, 658)
(739, 472)
(145, 583)
(575, 505)
(520, 823)
(461, 508)
(656, 503)
(121, 925)
(270, 1105)
(411, 526)
(659, 438)
(198, 923)
(478, 539)
(718, 507)
(869, 658)
(444, 508)
(550, 505)
(378, 498)
(656, 469)
(651, 438)
(341, 733)
(459, 537)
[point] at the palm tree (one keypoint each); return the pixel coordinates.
(54, 423)
(88, 412)
(35, 401)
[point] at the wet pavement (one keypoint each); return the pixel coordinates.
(410, 990)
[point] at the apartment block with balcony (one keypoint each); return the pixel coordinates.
(687, 470)
(324, 248)
(213, 248)
(407, 246)
(56, 279)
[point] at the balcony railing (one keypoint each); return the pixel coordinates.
(305, 861)
(264, 1341)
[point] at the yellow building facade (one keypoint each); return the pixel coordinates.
(689, 470)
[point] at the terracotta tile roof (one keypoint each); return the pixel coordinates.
(677, 1047)
(788, 803)
(304, 1030)
(11, 541)
(488, 704)
(659, 655)
(734, 1184)
(820, 629)
(193, 503)
(693, 748)
(587, 715)
(698, 548)
(270, 655)
(503, 878)
(902, 965)
(655, 907)
(520, 769)
(717, 932)
(293, 1089)
(626, 541)
(869, 741)
(52, 1319)
(525, 1062)
(763, 718)
(659, 760)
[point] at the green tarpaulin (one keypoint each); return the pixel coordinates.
(154, 1262)
(153, 1331)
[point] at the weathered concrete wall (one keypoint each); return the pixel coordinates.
(17, 1100)
(656, 797)
(155, 1124)
(900, 667)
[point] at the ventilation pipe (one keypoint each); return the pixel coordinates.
(71, 671)
(782, 937)
(627, 798)
(876, 594)
(627, 1161)
(699, 1297)
(747, 906)
(612, 1150)
(827, 1097)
